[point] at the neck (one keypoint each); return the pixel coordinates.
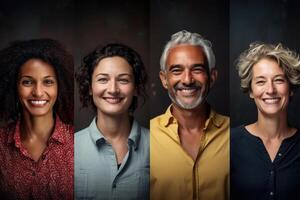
(273, 126)
(41, 126)
(113, 126)
(193, 118)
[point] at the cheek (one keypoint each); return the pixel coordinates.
(128, 90)
(96, 89)
(23, 92)
(285, 90)
(172, 81)
(255, 91)
(203, 79)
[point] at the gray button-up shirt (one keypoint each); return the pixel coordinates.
(96, 172)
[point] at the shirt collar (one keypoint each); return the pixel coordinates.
(58, 134)
(212, 119)
(99, 139)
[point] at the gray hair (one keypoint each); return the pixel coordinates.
(288, 60)
(195, 39)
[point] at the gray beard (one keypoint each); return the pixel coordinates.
(199, 101)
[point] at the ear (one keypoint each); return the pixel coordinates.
(163, 78)
(250, 94)
(213, 77)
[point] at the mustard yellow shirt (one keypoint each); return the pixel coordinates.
(175, 175)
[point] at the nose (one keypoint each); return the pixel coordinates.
(187, 78)
(38, 90)
(271, 89)
(113, 87)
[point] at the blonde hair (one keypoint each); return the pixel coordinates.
(288, 60)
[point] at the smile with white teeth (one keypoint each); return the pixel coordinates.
(38, 102)
(187, 91)
(113, 100)
(271, 100)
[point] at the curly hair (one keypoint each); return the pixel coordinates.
(195, 39)
(84, 74)
(49, 51)
(288, 60)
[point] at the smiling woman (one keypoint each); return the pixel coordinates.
(112, 154)
(265, 155)
(37, 88)
(36, 145)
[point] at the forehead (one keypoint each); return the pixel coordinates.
(267, 67)
(185, 54)
(36, 67)
(113, 65)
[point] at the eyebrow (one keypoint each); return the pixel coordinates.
(194, 65)
(26, 76)
(278, 75)
(104, 74)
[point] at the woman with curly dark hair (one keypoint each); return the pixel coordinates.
(36, 106)
(112, 154)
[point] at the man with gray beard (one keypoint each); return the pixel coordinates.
(189, 143)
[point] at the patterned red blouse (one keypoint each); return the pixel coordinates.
(51, 177)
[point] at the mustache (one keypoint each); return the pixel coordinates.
(195, 85)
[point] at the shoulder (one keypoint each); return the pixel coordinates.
(157, 121)
(237, 132)
(68, 128)
(65, 128)
(144, 132)
(82, 134)
(5, 131)
(222, 118)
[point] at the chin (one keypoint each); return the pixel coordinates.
(113, 112)
(271, 113)
(38, 114)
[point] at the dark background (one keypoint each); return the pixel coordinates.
(269, 21)
(143, 25)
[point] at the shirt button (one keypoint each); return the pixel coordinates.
(279, 154)
(271, 172)
(271, 193)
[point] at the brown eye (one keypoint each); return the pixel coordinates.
(27, 82)
(198, 70)
(49, 82)
(102, 80)
(176, 71)
(124, 81)
(280, 80)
